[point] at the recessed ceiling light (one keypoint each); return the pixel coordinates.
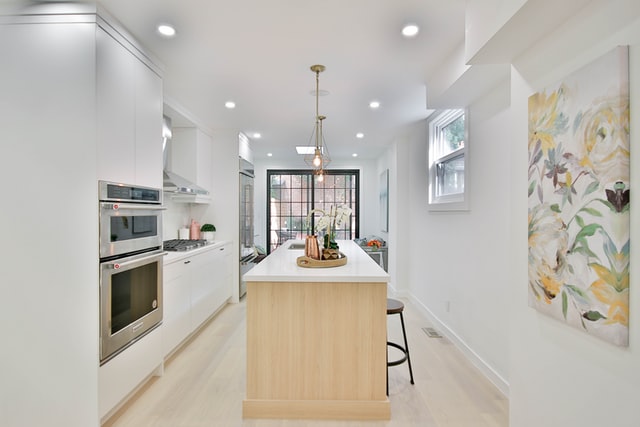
(230, 105)
(354, 155)
(269, 154)
(359, 135)
(257, 135)
(166, 30)
(410, 30)
(374, 104)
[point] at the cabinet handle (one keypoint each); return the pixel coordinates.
(187, 262)
(222, 249)
(136, 327)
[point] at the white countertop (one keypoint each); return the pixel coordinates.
(280, 266)
(173, 256)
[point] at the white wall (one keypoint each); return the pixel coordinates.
(457, 266)
(560, 376)
(553, 374)
(396, 160)
(484, 18)
(224, 210)
(176, 216)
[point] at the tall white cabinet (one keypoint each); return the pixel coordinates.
(129, 120)
(46, 102)
(76, 105)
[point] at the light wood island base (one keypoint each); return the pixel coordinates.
(317, 409)
(316, 350)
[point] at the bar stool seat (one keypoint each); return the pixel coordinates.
(397, 307)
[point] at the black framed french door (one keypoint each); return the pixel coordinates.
(293, 193)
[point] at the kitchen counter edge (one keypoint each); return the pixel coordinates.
(172, 257)
(280, 266)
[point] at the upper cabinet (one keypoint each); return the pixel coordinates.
(129, 114)
(148, 146)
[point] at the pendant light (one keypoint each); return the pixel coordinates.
(320, 157)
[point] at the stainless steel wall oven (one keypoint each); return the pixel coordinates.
(130, 264)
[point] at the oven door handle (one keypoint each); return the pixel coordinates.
(118, 206)
(121, 265)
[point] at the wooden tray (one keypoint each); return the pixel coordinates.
(304, 261)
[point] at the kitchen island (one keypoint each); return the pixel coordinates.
(316, 337)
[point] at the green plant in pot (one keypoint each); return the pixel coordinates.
(208, 231)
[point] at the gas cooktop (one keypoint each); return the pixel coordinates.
(180, 245)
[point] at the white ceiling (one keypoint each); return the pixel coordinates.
(258, 53)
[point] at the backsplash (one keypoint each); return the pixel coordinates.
(179, 215)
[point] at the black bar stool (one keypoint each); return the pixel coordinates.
(396, 307)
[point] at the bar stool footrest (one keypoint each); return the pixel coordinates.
(399, 361)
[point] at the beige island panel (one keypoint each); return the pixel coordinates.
(316, 338)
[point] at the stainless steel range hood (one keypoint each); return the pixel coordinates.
(181, 189)
(174, 183)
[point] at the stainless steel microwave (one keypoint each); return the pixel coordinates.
(130, 219)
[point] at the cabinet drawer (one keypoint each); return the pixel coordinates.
(174, 270)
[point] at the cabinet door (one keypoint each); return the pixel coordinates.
(210, 283)
(148, 135)
(202, 279)
(223, 276)
(177, 304)
(115, 92)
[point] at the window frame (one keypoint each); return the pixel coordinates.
(355, 215)
(436, 123)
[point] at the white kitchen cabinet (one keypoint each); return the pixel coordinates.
(129, 115)
(122, 374)
(148, 146)
(202, 287)
(115, 110)
(176, 296)
(225, 291)
(210, 284)
(66, 93)
(195, 287)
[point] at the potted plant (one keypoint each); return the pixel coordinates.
(208, 231)
(329, 223)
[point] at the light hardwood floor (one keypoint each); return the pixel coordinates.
(204, 384)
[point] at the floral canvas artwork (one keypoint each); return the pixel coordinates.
(579, 199)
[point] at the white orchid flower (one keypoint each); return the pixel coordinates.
(342, 215)
(324, 223)
(329, 221)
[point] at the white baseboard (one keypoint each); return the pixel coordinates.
(472, 356)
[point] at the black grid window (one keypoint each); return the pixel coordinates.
(292, 194)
